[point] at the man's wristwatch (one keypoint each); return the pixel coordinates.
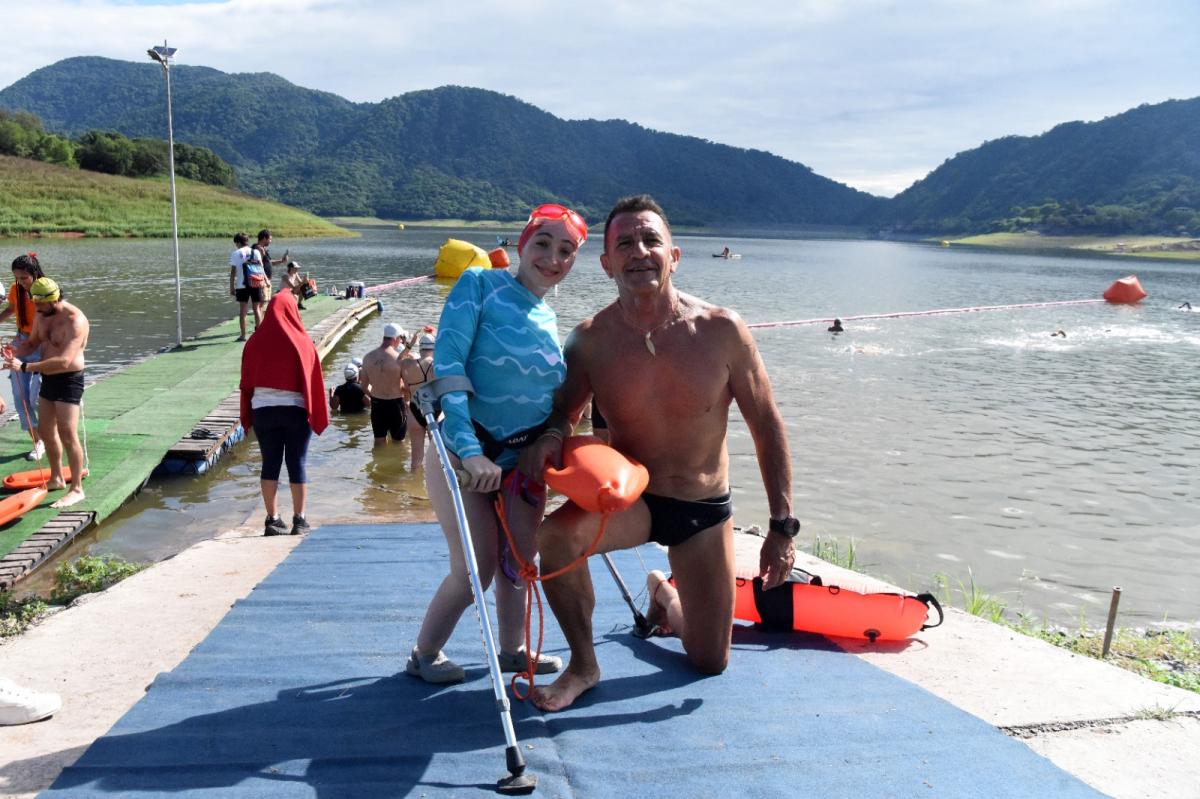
(789, 526)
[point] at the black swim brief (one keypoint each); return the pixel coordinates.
(63, 387)
(388, 418)
(674, 521)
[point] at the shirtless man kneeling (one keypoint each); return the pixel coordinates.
(383, 381)
(664, 368)
(61, 331)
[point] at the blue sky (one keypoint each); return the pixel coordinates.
(873, 93)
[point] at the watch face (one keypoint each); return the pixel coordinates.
(789, 526)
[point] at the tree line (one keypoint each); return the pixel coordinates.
(22, 135)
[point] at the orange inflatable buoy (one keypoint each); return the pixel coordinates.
(18, 505)
(18, 481)
(1125, 291)
(596, 477)
(830, 610)
(499, 258)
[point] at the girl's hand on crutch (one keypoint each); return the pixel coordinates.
(479, 474)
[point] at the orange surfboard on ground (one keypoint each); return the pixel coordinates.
(19, 481)
(18, 505)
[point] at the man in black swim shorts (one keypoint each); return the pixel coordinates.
(63, 387)
(61, 331)
(383, 380)
(665, 367)
(389, 418)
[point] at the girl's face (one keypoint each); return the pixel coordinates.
(23, 278)
(547, 258)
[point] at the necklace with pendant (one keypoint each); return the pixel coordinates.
(646, 334)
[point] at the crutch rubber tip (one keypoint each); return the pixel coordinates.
(518, 781)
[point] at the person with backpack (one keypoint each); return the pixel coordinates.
(247, 281)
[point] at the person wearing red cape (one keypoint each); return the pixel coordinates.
(283, 401)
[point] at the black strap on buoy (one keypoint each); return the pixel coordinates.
(931, 601)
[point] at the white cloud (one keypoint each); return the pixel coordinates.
(869, 92)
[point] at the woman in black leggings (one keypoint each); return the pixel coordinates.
(283, 400)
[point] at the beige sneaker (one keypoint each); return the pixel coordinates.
(546, 664)
(439, 670)
(21, 706)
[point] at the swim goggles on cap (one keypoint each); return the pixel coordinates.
(549, 212)
(44, 290)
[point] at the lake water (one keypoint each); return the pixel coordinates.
(970, 445)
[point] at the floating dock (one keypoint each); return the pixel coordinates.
(175, 403)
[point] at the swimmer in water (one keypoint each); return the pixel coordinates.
(1059, 334)
(836, 327)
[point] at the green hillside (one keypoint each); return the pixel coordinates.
(1136, 172)
(45, 199)
(448, 152)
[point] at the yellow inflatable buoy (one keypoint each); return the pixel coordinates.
(457, 256)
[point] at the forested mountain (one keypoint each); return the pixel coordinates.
(448, 152)
(474, 154)
(1138, 171)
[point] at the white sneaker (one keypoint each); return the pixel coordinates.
(39, 449)
(21, 706)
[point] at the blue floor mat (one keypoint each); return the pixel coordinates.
(300, 691)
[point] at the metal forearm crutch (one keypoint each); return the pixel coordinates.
(517, 781)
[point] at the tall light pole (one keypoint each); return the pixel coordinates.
(163, 56)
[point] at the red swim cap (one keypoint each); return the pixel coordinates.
(550, 212)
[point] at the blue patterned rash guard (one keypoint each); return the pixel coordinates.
(505, 340)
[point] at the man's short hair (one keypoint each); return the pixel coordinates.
(241, 239)
(632, 205)
(264, 234)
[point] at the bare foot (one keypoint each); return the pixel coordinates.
(559, 694)
(69, 499)
(656, 614)
(56, 485)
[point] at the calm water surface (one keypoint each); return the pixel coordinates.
(971, 445)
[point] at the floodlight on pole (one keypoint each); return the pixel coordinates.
(162, 54)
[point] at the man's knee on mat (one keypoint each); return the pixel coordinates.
(709, 662)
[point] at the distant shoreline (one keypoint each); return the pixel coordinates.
(1134, 246)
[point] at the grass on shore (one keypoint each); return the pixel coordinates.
(84, 575)
(1129, 246)
(1167, 656)
(46, 200)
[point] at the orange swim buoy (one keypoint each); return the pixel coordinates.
(831, 610)
(596, 477)
(19, 481)
(1125, 291)
(18, 505)
(499, 258)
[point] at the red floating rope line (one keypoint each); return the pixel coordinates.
(934, 312)
(397, 283)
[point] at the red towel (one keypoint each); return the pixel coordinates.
(280, 354)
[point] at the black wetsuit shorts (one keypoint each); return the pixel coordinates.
(388, 418)
(416, 412)
(674, 521)
(63, 387)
